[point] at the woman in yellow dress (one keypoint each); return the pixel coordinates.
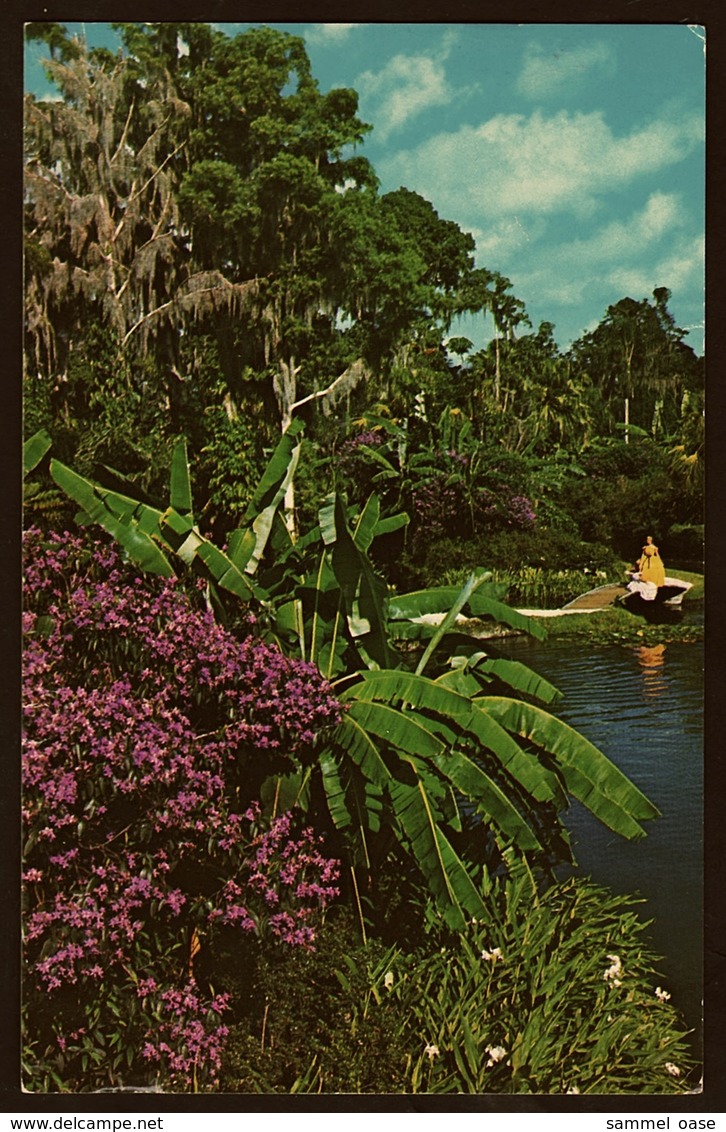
(650, 564)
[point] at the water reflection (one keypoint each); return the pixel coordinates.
(651, 659)
(615, 697)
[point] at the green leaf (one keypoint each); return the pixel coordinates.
(270, 492)
(401, 730)
(486, 607)
(491, 801)
(588, 774)
(467, 718)
(352, 737)
(518, 676)
(138, 545)
(180, 488)
(355, 805)
(194, 548)
(391, 523)
(482, 603)
(364, 592)
(34, 450)
(446, 875)
(465, 594)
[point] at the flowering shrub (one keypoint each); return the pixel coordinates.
(149, 730)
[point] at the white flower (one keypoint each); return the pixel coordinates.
(672, 1069)
(493, 955)
(388, 980)
(611, 974)
(573, 1091)
(496, 1053)
(431, 1052)
(663, 995)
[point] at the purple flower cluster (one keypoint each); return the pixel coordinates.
(367, 437)
(143, 718)
(437, 508)
(187, 1039)
(521, 513)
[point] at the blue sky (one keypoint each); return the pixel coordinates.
(574, 153)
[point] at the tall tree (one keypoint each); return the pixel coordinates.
(639, 362)
(485, 292)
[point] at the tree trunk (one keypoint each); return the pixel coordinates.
(285, 387)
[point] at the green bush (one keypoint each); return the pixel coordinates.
(685, 543)
(315, 1022)
(554, 993)
(515, 552)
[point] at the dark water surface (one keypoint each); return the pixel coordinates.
(643, 707)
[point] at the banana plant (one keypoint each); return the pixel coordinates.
(416, 753)
(435, 753)
(152, 538)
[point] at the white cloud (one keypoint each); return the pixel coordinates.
(680, 269)
(321, 34)
(513, 165)
(654, 247)
(544, 74)
(405, 87)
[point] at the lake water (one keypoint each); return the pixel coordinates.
(643, 707)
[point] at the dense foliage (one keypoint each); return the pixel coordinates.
(554, 993)
(286, 827)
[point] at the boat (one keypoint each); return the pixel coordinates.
(642, 595)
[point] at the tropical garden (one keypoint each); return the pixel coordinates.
(288, 828)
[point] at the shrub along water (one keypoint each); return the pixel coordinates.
(552, 993)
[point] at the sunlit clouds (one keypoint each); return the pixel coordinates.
(405, 87)
(546, 74)
(538, 164)
(333, 34)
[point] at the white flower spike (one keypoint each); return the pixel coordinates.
(431, 1052)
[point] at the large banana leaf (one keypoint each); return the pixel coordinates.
(194, 548)
(263, 506)
(467, 721)
(34, 450)
(137, 543)
(490, 800)
(447, 877)
(483, 602)
(351, 736)
(465, 595)
(403, 731)
(180, 486)
(470, 673)
(143, 530)
(589, 775)
(369, 524)
(355, 806)
(438, 599)
(363, 591)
